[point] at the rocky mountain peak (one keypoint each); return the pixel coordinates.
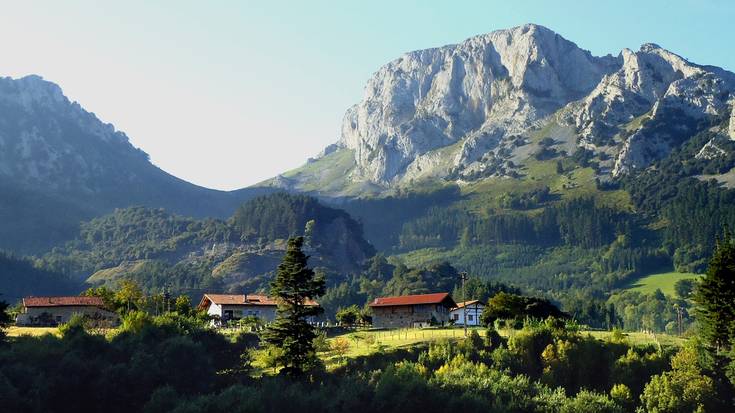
(48, 141)
(475, 91)
(31, 92)
(482, 108)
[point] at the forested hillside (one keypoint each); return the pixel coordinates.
(20, 277)
(159, 249)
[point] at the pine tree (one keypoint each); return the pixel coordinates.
(715, 296)
(295, 283)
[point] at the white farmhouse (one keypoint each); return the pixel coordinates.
(226, 307)
(52, 311)
(473, 310)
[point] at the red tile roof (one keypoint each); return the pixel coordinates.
(242, 299)
(63, 301)
(436, 298)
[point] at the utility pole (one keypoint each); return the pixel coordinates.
(679, 317)
(463, 277)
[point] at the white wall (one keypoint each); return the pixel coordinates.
(473, 315)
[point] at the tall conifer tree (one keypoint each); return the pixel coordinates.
(715, 296)
(295, 284)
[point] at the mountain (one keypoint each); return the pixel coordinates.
(515, 156)
(464, 112)
(160, 249)
(520, 157)
(60, 164)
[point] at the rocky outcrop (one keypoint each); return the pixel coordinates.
(631, 91)
(488, 86)
(48, 141)
(453, 109)
(731, 129)
(710, 150)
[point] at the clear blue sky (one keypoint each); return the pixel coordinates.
(227, 93)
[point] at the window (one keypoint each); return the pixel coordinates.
(58, 318)
(456, 317)
(470, 317)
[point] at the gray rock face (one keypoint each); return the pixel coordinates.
(48, 141)
(693, 93)
(485, 87)
(731, 131)
(710, 150)
(631, 91)
(479, 96)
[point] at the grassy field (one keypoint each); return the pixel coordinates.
(663, 281)
(15, 331)
(362, 343)
(642, 339)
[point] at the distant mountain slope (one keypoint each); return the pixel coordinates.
(60, 164)
(19, 278)
(478, 109)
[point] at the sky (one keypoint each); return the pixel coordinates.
(225, 94)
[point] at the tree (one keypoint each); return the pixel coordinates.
(684, 288)
(130, 294)
(294, 285)
(559, 167)
(4, 319)
(183, 305)
(269, 357)
(683, 389)
(340, 346)
(715, 296)
(309, 232)
(512, 306)
(349, 316)
(107, 295)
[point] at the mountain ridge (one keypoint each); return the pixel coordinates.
(54, 151)
(454, 112)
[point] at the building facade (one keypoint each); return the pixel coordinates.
(226, 307)
(412, 310)
(53, 311)
(473, 309)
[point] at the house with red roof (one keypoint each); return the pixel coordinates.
(53, 311)
(226, 307)
(405, 311)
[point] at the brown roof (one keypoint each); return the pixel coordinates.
(63, 301)
(242, 299)
(464, 303)
(436, 298)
